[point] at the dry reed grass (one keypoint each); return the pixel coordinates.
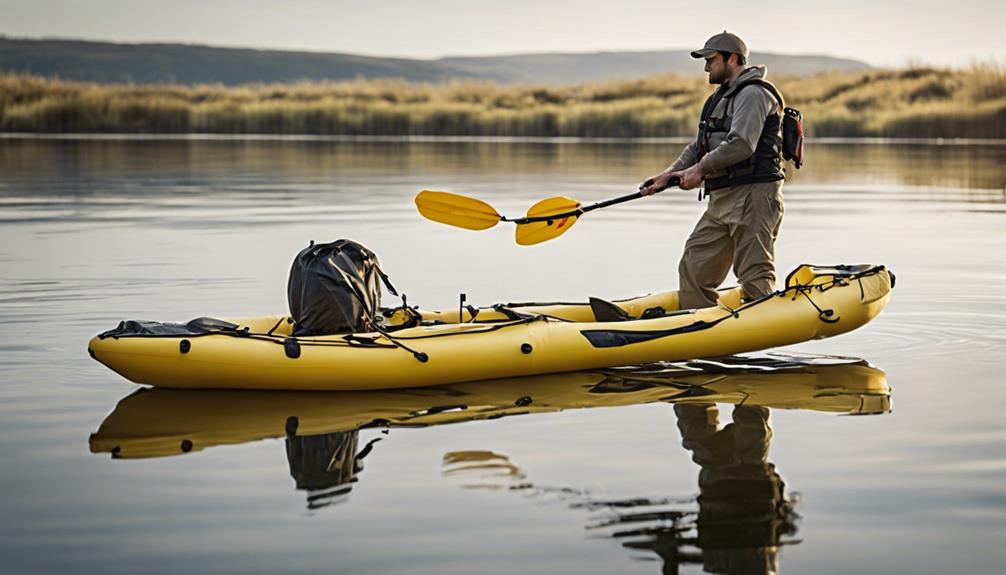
(913, 102)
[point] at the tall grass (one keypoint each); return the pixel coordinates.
(913, 102)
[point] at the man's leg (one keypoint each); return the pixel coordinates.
(705, 262)
(754, 239)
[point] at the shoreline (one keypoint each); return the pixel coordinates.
(257, 137)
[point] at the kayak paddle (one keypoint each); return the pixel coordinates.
(457, 210)
(546, 220)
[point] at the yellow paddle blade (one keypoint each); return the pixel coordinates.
(537, 232)
(456, 210)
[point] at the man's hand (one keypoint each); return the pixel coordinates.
(690, 178)
(655, 184)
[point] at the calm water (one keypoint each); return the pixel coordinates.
(92, 232)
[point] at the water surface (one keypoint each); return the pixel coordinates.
(92, 232)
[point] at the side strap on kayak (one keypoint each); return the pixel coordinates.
(421, 356)
(512, 314)
(824, 315)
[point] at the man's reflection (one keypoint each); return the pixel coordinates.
(743, 510)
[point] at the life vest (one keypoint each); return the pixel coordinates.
(766, 163)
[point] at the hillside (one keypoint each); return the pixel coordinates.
(607, 66)
(107, 63)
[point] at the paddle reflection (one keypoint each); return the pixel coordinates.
(321, 428)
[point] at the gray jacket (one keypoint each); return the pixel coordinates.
(748, 111)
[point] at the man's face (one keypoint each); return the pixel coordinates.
(716, 66)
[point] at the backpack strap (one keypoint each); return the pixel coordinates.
(384, 278)
(759, 82)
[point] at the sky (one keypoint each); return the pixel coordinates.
(882, 33)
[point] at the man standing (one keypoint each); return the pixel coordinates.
(738, 154)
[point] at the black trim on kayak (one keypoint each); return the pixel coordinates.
(615, 338)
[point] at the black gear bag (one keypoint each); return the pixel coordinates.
(335, 288)
(792, 136)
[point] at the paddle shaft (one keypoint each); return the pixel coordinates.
(580, 211)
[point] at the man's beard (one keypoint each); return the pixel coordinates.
(717, 77)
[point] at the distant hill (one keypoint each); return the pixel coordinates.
(604, 66)
(106, 62)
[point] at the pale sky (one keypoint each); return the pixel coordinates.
(883, 33)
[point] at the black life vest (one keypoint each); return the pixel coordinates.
(766, 163)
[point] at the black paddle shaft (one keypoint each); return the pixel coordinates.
(580, 211)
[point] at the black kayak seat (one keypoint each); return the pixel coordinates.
(606, 311)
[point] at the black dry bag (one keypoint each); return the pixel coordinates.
(792, 136)
(335, 288)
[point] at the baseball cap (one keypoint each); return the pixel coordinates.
(723, 42)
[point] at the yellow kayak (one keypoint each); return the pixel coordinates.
(417, 348)
(164, 422)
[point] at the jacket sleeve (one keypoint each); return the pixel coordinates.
(688, 158)
(751, 107)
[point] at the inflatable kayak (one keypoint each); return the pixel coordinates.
(165, 422)
(416, 348)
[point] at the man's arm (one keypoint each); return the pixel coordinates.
(689, 157)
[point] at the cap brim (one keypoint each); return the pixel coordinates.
(703, 53)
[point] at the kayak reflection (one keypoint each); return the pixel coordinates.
(321, 428)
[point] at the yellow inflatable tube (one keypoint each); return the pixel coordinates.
(418, 348)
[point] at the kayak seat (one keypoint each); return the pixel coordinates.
(606, 311)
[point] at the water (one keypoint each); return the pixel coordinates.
(92, 232)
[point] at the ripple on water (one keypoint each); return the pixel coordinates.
(937, 333)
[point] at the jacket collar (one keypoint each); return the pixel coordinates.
(758, 72)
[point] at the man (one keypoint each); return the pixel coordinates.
(738, 154)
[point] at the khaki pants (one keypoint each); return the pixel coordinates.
(738, 228)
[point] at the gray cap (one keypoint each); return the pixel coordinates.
(724, 42)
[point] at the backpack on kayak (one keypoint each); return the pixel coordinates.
(335, 288)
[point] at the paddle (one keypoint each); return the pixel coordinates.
(546, 220)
